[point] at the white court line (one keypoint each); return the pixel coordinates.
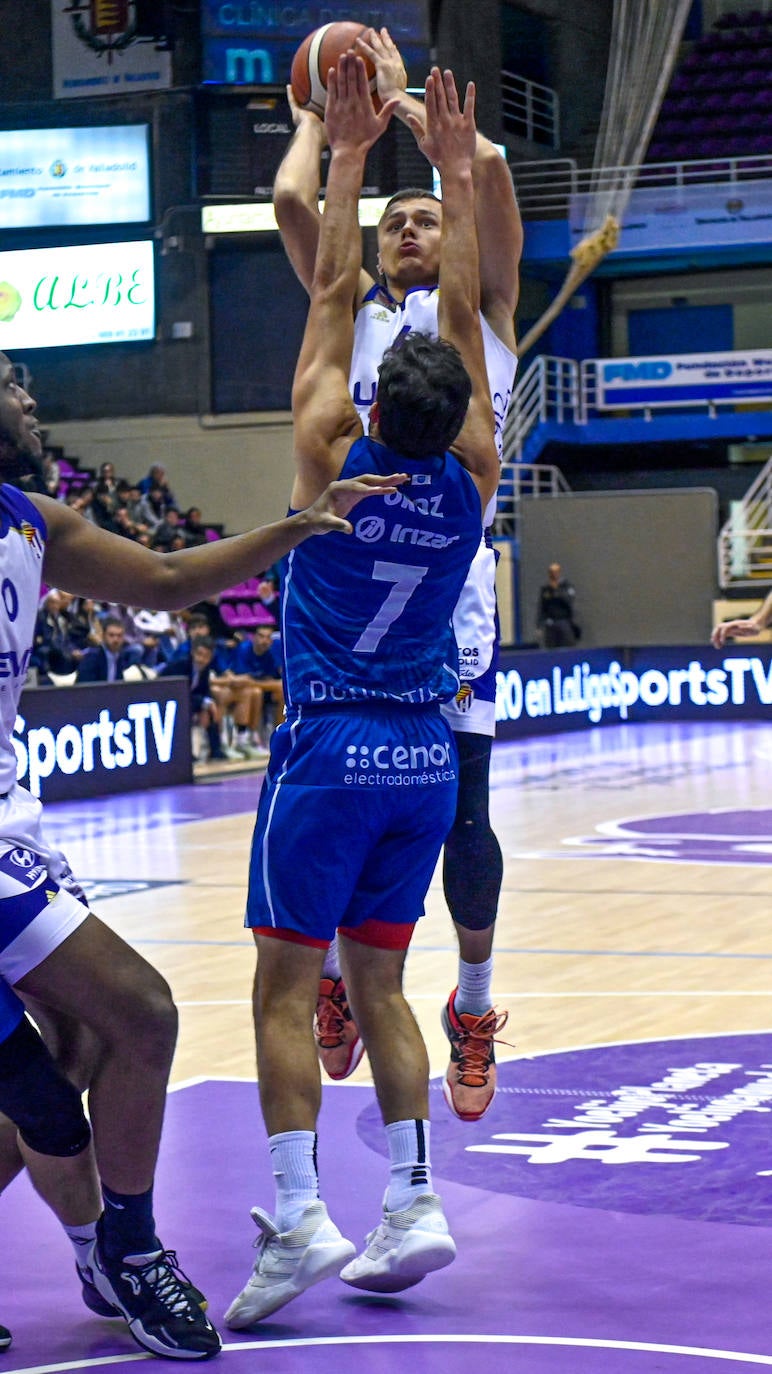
(570, 1342)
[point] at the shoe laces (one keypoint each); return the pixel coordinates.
(331, 1017)
(475, 1042)
(171, 1287)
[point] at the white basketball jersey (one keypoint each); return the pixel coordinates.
(22, 545)
(380, 321)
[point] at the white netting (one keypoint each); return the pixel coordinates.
(645, 35)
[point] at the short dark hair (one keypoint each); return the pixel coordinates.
(409, 193)
(423, 395)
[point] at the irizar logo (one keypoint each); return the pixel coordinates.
(103, 743)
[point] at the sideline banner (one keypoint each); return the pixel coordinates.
(683, 378)
(95, 739)
(250, 44)
(543, 693)
(96, 51)
(661, 217)
(92, 293)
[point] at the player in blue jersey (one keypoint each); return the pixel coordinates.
(405, 297)
(361, 786)
(109, 1012)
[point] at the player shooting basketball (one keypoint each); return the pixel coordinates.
(361, 787)
(405, 297)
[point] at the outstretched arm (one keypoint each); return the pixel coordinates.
(88, 561)
(296, 196)
(449, 142)
(324, 416)
(499, 227)
(296, 191)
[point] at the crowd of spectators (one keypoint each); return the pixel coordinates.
(235, 680)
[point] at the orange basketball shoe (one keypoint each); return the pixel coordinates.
(470, 1080)
(337, 1038)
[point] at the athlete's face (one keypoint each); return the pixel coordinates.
(21, 444)
(409, 243)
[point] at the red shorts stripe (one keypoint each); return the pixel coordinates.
(380, 934)
(293, 936)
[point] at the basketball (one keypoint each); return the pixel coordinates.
(318, 52)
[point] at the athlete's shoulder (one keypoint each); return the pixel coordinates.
(17, 511)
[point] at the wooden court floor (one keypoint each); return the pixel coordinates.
(635, 905)
(613, 1209)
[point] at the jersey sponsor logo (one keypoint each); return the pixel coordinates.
(32, 536)
(13, 665)
(398, 765)
(464, 698)
(423, 539)
(23, 858)
(23, 866)
(370, 528)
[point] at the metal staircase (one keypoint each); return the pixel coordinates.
(745, 541)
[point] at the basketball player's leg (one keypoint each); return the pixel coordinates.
(293, 914)
(284, 997)
(412, 1238)
(45, 1129)
(55, 951)
(94, 976)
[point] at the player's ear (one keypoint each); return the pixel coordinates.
(373, 416)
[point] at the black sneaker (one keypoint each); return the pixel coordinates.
(91, 1294)
(96, 1303)
(155, 1298)
(5, 1338)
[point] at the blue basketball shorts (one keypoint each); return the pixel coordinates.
(40, 902)
(354, 811)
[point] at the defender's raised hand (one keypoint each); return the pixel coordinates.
(350, 118)
(450, 137)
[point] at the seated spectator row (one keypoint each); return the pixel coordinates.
(236, 689)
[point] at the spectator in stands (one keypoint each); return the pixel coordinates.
(197, 625)
(106, 500)
(157, 479)
(556, 614)
(195, 532)
(161, 634)
(267, 604)
(219, 629)
(257, 659)
(109, 660)
(82, 501)
(167, 531)
(83, 624)
(204, 710)
(152, 509)
(133, 502)
(51, 473)
(52, 650)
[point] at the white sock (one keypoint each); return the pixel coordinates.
(474, 988)
(81, 1237)
(293, 1157)
(411, 1172)
(331, 965)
